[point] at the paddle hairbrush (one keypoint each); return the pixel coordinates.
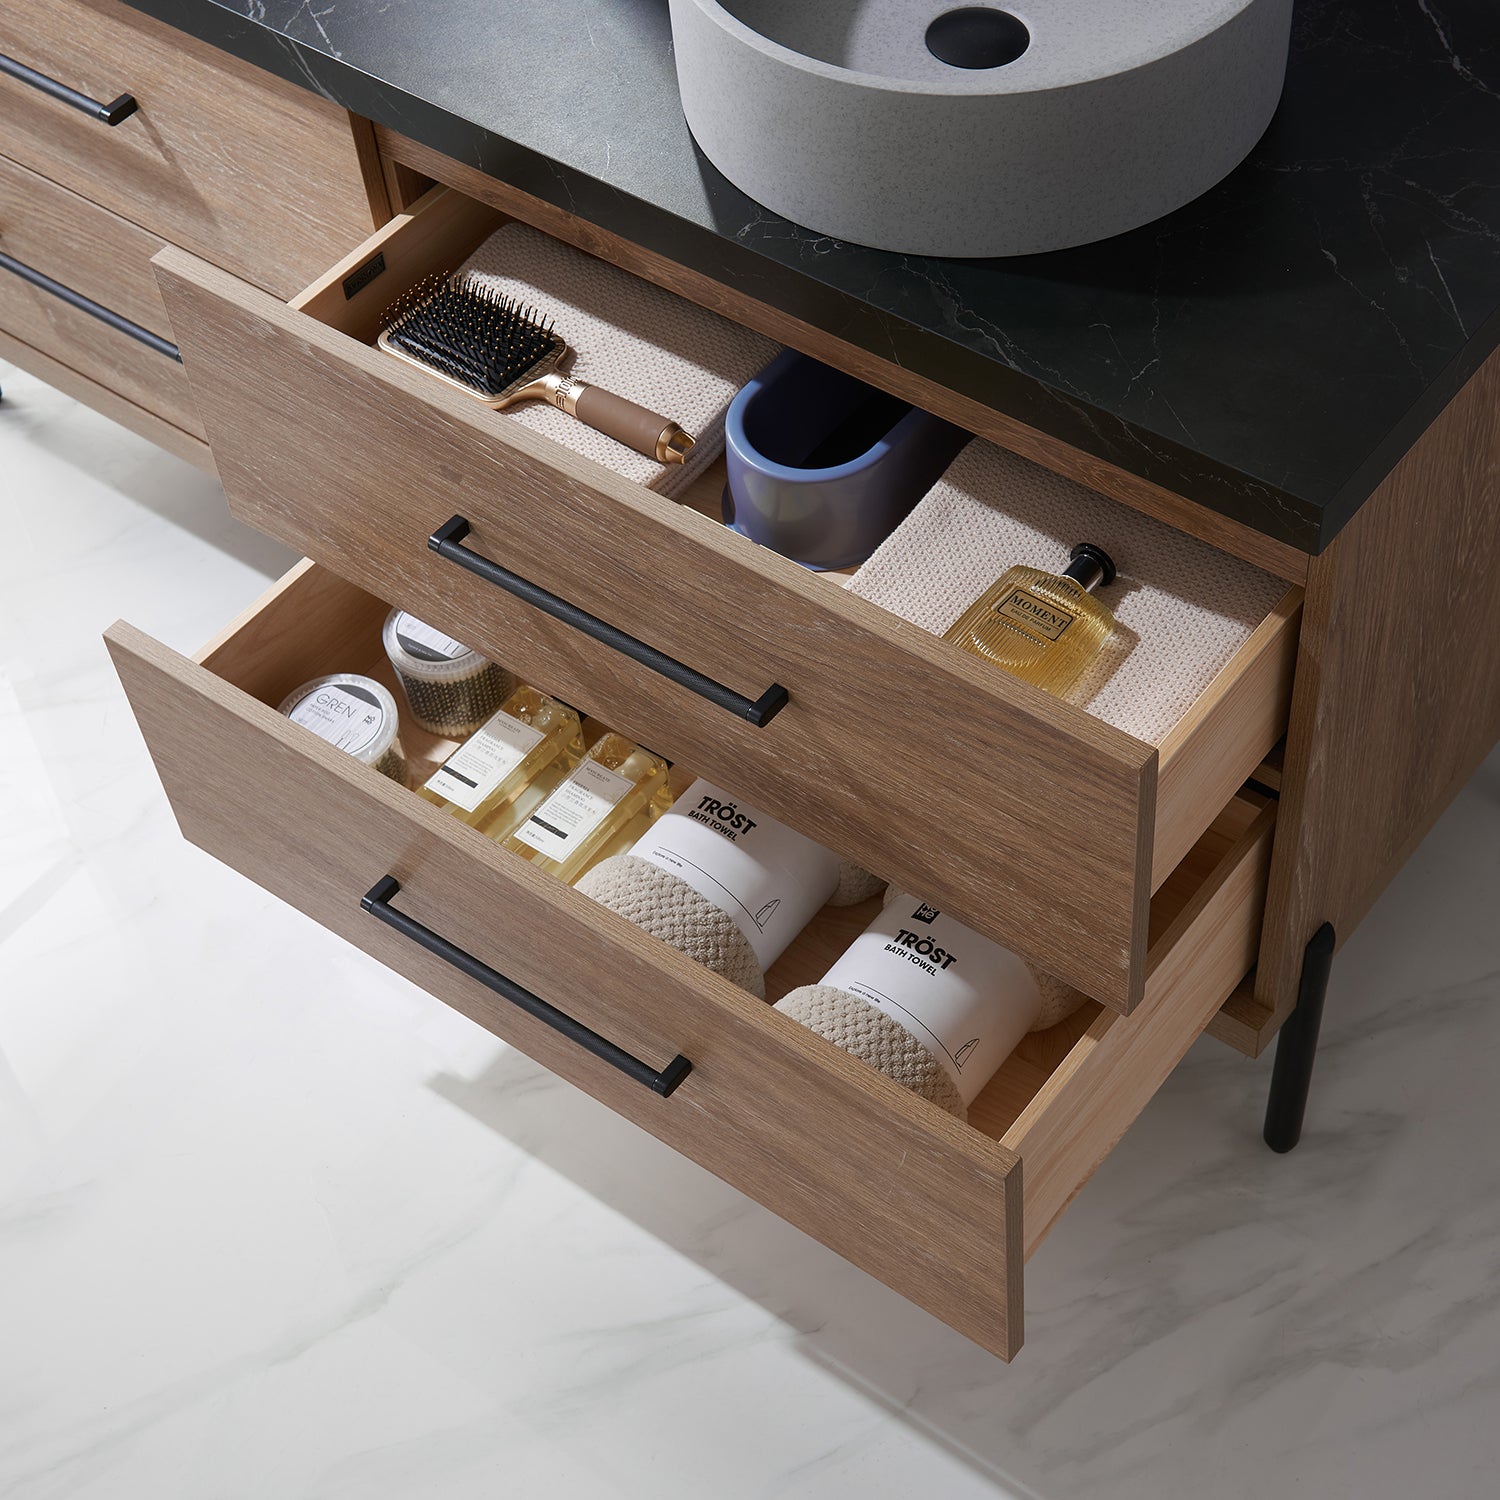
(501, 352)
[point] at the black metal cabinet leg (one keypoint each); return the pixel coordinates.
(1297, 1045)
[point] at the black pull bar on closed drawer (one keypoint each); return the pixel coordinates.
(94, 309)
(110, 114)
(378, 904)
(445, 541)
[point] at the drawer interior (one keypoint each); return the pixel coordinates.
(1205, 756)
(336, 448)
(314, 623)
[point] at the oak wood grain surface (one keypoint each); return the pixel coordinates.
(238, 165)
(1214, 747)
(1113, 1071)
(90, 249)
(928, 1204)
(1397, 697)
(107, 259)
(889, 733)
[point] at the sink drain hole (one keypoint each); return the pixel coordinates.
(975, 36)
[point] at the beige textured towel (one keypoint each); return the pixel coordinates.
(658, 902)
(870, 1034)
(629, 337)
(1184, 608)
(669, 908)
(1059, 1000)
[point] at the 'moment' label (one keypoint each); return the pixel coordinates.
(1039, 616)
(348, 717)
(574, 810)
(967, 1000)
(767, 878)
(484, 760)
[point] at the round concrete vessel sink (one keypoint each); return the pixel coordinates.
(939, 129)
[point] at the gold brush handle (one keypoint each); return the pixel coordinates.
(645, 431)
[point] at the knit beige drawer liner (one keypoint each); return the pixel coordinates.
(629, 337)
(1183, 607)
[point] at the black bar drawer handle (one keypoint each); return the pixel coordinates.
(378, 904)
(446, 540)
(111, 113)
(87, 304)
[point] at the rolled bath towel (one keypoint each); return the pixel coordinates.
(930, 1003)
(725, 884)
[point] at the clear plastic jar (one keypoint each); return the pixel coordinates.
(354, 714)
(450, 688)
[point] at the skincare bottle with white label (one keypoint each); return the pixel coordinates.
(926, 1000)
(497, 778)
(605, 803)
(353, 714)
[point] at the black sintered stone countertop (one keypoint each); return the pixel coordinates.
(1269, 351)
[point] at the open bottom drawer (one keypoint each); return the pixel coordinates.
(942, 1211)
(917, 760)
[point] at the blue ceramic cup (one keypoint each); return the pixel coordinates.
(822, 467)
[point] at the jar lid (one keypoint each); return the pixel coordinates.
(422, 651)
(354, 714)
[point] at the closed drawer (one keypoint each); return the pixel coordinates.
(231, 162)
(79, 247)
(1035, 822)
(943, 1211)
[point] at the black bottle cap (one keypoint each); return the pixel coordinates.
(1091, 566)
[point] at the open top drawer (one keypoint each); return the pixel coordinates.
(1025, 816)
(944, 1212)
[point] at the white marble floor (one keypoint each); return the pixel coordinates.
(274, 1224)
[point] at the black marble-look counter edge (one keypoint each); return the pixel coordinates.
(1270, 351)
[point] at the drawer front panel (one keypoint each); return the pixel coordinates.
(1023, 815)
(909, 1194)
(105, 259)
(240, 166)
(95, 252)
(935, 1208)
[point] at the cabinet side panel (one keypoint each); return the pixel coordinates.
(1397, 696)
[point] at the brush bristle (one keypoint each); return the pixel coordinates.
(464, 328)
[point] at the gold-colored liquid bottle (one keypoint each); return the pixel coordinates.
(1042, 627)
(606, 802)
(498, 777)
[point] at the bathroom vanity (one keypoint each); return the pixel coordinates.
(1279, 370)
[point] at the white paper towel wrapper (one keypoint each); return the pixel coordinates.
(927, 1001)
(724, 883)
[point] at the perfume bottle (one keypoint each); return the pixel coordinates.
(1042, 627)
(498, 777)
(607, 801)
